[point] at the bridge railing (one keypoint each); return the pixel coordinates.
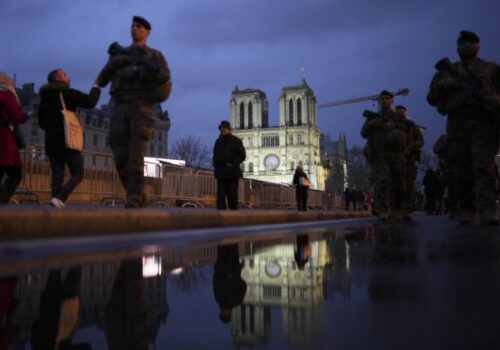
(173, 187)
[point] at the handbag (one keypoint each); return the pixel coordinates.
(73, 131)
(304, 182)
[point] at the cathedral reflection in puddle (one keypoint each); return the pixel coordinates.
(301, 290)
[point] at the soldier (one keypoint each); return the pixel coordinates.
(441, 151)
(139, 78)
(229, 153)
(385, 149)
(415, 142)
(468, 92)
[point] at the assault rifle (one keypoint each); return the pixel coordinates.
(470, 85)
(371, 115)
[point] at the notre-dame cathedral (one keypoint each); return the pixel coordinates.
(273, 152)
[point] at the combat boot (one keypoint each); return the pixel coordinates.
(489, 219)
(467, 218)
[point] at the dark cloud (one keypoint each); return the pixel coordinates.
(348, 48)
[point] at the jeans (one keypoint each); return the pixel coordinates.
(74, 161)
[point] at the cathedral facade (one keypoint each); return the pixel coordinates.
(273, 152)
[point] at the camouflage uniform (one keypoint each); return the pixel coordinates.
(472, 106)
(137, 75)
(415, 142)
(385, 150)
(441, 150)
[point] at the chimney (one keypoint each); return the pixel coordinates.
(29, 87)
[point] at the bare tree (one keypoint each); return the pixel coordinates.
(192, 150)
(358, 171)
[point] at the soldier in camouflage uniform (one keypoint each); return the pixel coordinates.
(415, 142)
(385, 152)
(468, 91)
(139, 77)
(441, 151)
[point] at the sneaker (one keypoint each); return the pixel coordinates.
(57, 203)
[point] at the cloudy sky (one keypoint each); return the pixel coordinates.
(349, 48)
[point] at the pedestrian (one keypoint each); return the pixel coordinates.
(228, 155)
(10, 117)
(413, 149)
(440, 149)
(468, 92)
(432, 191)
(384, 151)
(347, 198)
(139, 77)
(301, 182)
(51, 121)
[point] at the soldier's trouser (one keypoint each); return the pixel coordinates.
(410, 178)
(388, 180)
(129, 133)
(473, 145)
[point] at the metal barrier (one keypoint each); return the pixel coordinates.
(186, 187)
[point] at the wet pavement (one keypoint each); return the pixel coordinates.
(347, 284)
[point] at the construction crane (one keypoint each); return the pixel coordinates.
(374, 98)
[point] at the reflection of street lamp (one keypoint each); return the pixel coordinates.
(151, 266)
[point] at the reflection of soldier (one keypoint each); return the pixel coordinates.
(139, 77)
(59, 310)
(127, 324)
(394, 249)
(441, 150)
(229, 287)
(385, 149)
(468, 91)
(415, 142)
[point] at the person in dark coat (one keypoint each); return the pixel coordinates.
(229, 153)
(301, 183)
(50, 119)
(229, 287)
(432, 190)
(10, 160)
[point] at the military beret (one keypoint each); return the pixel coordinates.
(386, 93)
(400, 107)
(466, 36)
(225, 124)
(142, 21)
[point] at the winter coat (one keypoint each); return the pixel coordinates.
(10, 116)
(229, 153)
(50, 117)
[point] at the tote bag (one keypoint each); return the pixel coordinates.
(73, 131)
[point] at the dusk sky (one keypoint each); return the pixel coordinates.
(348, 49)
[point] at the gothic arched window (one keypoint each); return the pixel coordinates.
(290, 112)
(250, 115)
(242, 116)
(292, 165)
(250, 167)
(299, 112)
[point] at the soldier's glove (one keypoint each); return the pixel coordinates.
(491, 102)
(448, 84)
(119, 61)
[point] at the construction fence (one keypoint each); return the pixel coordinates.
(165, 184)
